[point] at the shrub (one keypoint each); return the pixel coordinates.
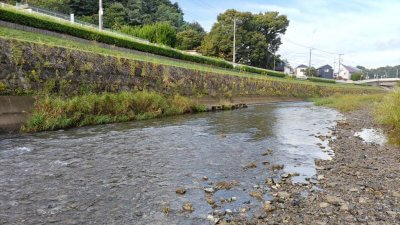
(3, 87)
(161, 33)
(251, 69)
(48, 23)
(322, 80)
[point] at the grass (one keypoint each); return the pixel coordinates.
(347, 103)
(13, 34)
(388, 114)
(52, 113)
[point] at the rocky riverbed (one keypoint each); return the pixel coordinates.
(360, 185)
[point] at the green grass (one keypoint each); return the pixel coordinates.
(12, 34)
(322, 80)
(52, 113)
(347, 103)
(388, 114)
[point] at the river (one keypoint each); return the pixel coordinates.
(127, 173)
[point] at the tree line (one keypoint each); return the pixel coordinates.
(162, 22)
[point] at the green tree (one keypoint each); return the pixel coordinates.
(356, 76)
(311, 72)
(190, 36)
(115, 15)
(257, 37)
(189, 39)
(161, 33)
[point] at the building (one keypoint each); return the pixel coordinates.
(325, 72)
(346, 72)
(300, 71)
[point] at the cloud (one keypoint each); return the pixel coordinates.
(366, 31)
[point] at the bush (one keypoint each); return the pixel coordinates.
(251, 69)
(160, 33)
(47, 23)
(322, 80)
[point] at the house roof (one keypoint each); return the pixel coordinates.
(322, 67)
(351, 69)
(302, 66)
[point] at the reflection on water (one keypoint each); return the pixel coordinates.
(126, 173)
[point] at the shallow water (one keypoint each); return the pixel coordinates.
(372, 136)
(127, 173)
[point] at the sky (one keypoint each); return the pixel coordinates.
(367, 32)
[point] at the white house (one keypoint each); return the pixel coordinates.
(346, 72)
(300, 71)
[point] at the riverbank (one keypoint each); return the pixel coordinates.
(358, 186)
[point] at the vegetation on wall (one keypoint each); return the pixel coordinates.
(322, 80)
(51, 113)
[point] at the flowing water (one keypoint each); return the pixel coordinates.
(128, 173)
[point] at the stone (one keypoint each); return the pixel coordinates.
(259, 214)
(283, 195)
(353, 190)
(344, 207)
(256, 194)
(285, 175)
(396, 194)
(228, 211)
(209, 190)
(323, 204)
(277, 167)
(205, 178)
(219, 213)
(333, 200)
(362, 200)
(268, 207)
(187, 206)
(210, 201)
(213, 219)
(391, 213)
(251, 166)
(320, 177)
(181, 191)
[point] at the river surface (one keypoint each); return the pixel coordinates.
(128, 173)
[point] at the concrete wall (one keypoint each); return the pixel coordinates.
(13, 112)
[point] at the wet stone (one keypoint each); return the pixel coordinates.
(181, 191)
(187, 206)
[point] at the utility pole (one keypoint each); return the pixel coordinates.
(274, 60)
(309, 63)
(234, 40)
(100, 14)
(340, 62)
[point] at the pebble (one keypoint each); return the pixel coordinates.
(320, 177)
(333, 200)
(228, 211)
(256, 194)
(344, 207)
(323, 204)
(396, 194)
(209, 190)
(187, 206)
(362, 200)
(277, 167)
(181, 191)
(205, 178)
(283, 195)
(268, 207)
(219, 213)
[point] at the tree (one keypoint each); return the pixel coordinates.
(189, 39)
(311, 72)
(257, 37)
(115, 15)
(190, 36)
(84, 7)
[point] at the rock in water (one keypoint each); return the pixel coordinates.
(180, 191)
(187, 206)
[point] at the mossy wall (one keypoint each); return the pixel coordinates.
(27, 67)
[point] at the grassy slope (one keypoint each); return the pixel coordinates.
(7, 33)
